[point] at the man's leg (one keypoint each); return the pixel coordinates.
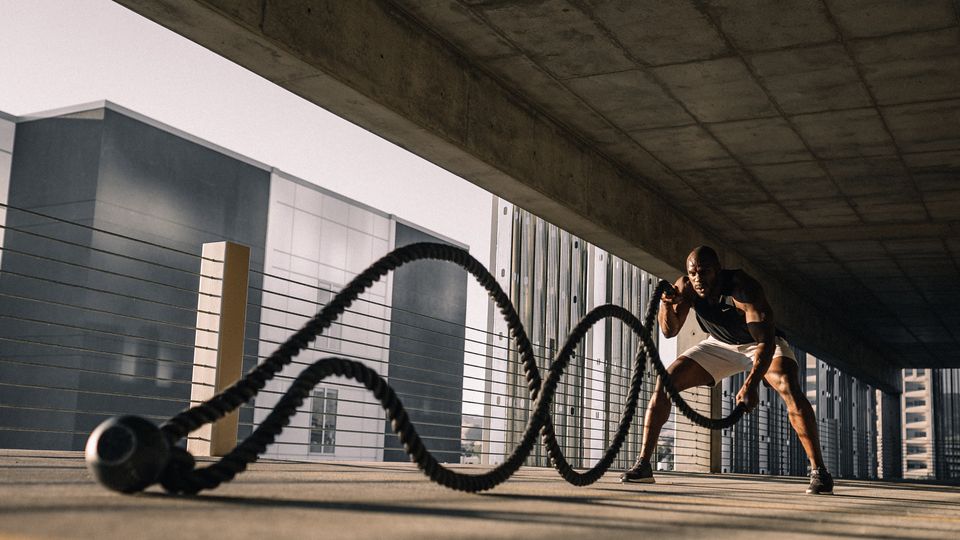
(684, 373)
(783, 376)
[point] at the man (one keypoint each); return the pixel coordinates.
(731, 307)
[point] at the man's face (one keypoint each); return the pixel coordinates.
(703, 277)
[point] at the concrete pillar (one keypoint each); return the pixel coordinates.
(694, 446)
(890, 435)
(716, 440)
(218, 347)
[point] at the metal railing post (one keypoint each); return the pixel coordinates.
(218, 348)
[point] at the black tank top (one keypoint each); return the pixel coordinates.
(723, 320)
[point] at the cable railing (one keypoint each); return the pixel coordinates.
(88, 332)
(73, 327)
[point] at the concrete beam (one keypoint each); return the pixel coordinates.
(873, 233)
(372, 64)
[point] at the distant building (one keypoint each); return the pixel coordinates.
(554, 278)
(931, 423)
(97, 324)
(918, 412)
(846, 411)
(946, 423)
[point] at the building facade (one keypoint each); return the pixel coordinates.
(946, 424)
(554, 278)
(918, 423)
(98, 322)
(408, 327)
(99, 287)
(931, 421)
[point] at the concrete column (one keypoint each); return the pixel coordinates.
(218, 347)
(716, 440)
(694, 446)
(890, 434)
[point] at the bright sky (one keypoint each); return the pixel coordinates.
(55, 54)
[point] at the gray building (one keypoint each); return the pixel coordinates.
(931, 424)
(97, 324)
(918, 423)
(946, 423)
(554, 278)
(108, 211)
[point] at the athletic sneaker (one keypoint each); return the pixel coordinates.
(821, 483)
(641, 473)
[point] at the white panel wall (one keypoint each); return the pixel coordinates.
(316, 243)
(497, 397)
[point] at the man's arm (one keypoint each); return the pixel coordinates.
(674, 308)
(749, 296)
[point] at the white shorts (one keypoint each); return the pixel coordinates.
(722, 359)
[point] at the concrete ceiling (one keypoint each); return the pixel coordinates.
(816, 142)
(822, 139)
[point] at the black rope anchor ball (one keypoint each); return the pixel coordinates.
(127, 453)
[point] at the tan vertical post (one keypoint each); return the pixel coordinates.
(218, 348)
(693, 448)
(716, 441)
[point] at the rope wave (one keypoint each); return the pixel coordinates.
(181, 476)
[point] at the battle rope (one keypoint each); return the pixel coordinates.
(178, 473)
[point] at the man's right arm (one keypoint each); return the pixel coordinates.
(674, 308)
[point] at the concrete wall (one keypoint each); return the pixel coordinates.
(693, 446)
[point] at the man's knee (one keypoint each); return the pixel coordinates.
(789, 389)
(793, 397)
(659, 400)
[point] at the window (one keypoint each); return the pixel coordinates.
(323, 421)
(914, 465)
(912, 417)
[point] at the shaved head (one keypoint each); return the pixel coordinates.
(703, 270)
(704, 256)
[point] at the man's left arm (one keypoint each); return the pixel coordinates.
(759, 317)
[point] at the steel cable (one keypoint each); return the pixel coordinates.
(180, 475)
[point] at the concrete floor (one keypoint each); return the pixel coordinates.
(51, 495)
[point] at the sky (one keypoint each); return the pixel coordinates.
(56, 53)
